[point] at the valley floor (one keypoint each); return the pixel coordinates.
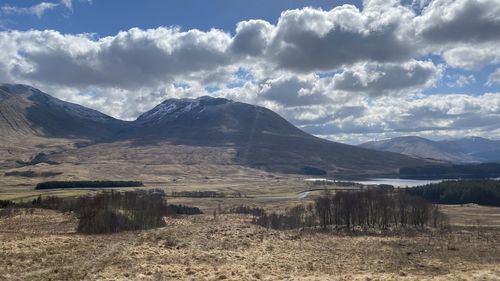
(44, 246)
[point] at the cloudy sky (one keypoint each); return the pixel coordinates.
(346, 71)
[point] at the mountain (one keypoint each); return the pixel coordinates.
(465, 150)
(256, 137)
(480, 149)
(262, 138)
(28, 111)
(207, 120)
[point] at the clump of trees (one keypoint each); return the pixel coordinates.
(373, 209)
(242, 209)
(83, 184)
(112, 211)
(296, 217)
(377, 209)
(183, 210)
(483, 192)
(200, 194)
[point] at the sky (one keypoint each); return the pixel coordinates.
(342, 70)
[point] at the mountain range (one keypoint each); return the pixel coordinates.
(232, 133)
(462, 150)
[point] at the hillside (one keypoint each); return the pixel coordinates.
(28, 111)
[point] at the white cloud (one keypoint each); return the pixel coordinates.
(375, 57)
(460, 80)
(38, 9)
(445, 21)
(494, 78)
(382, 79)
(311, 39)
(422, 115)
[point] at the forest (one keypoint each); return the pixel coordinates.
(482, 192)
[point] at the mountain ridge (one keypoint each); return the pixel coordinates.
(462, 150)
(261, 138)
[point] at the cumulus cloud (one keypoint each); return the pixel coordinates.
(134, 58)
(293, 91)
(381, 79)
(345, 71)
(472, 57)
(311, 39)
(251, 37)
(418, 115)
(444, 21)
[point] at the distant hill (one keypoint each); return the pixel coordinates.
(480, 149)
(464, 150)
(261, 138)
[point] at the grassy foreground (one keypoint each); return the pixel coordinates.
(45, 246)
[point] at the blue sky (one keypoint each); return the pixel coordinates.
(106, 18)
(349, 71)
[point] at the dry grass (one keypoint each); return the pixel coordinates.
(44, 246)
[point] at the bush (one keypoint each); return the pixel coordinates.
(6, 203)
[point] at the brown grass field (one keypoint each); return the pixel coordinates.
(44, 246)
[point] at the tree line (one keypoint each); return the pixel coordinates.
(88, 184)
(200, 194)
(483, 192)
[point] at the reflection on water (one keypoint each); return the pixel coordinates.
(398, 182)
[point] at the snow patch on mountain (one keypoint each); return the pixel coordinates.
(173, 108)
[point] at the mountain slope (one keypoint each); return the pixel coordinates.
(420, 148)
(262, 138)
(464, 150)
(258, 137)
(480, 149)
(28, 111)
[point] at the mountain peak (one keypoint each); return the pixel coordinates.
(173, 108)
